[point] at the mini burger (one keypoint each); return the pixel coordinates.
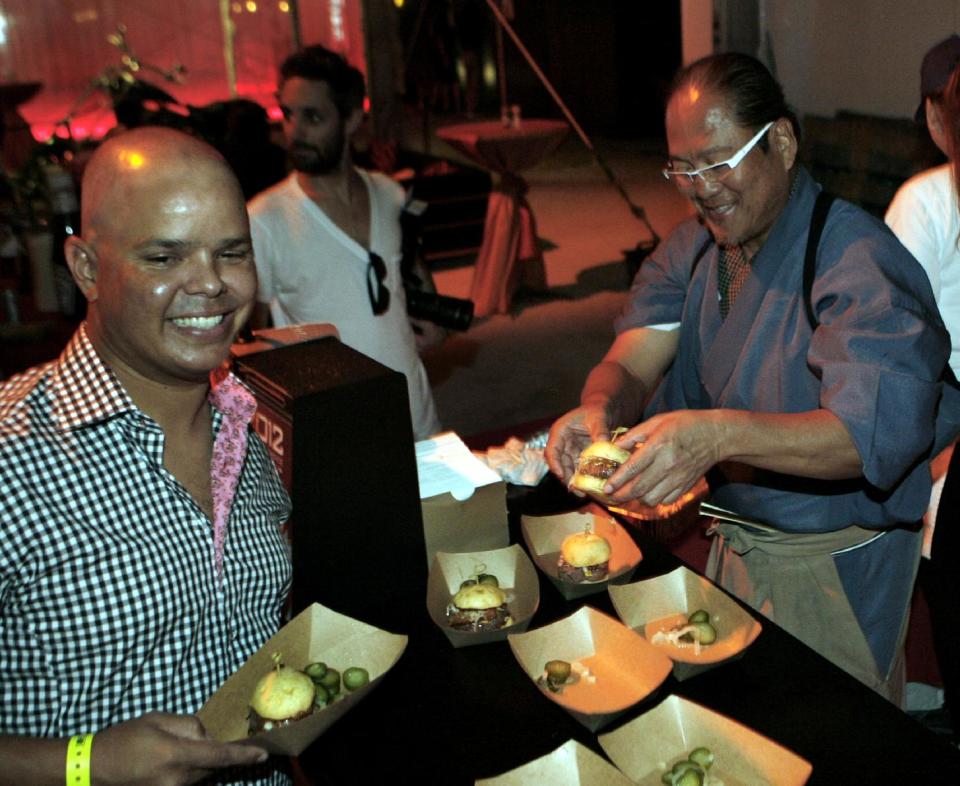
(596, 464)
(584, 557)
(281, 697)
(479, 607)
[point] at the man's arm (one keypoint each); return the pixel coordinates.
(154, 750)
(672, 451)
(613, 394)
(621, 382)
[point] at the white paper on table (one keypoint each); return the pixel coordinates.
(446, 465)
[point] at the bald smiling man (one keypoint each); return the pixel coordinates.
(141, 559)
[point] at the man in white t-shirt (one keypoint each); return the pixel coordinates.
(327, 238)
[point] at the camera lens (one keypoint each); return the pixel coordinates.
(449, 312)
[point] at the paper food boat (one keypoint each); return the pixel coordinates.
(572, 764)
(316, 634)
(657, 604)
(544, 535)
(649, 745)
(515, 573)
(623, 667)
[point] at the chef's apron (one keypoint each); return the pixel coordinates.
(792, 579)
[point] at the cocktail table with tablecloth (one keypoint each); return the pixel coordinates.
(510, 255)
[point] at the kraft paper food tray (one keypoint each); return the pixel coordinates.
(316, 634)
(627, 668)
(514, 571)
(462, 501)
(544, 535)
(645, 605)
(650, 744)
(572, 764)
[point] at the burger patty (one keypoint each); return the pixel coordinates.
(597, 467)
(479, 619)
(568, 572)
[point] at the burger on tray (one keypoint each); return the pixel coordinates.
(584, 556)
(317, 635)
(478, 597)
(580, 552)
(478, 607)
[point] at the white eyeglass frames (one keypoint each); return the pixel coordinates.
(685, 180)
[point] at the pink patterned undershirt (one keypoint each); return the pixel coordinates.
(237, 405)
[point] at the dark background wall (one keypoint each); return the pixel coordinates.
(609, 60)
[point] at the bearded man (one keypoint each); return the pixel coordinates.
(328, 238)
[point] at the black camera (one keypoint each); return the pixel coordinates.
(452, 313)
(447, 312)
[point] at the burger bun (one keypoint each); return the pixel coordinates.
(282, 694)
(604, 448)
(479, 596)
(598, 454)
(583, 549)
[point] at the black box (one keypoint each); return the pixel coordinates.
(338, 426)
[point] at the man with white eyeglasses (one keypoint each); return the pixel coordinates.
(809, 405)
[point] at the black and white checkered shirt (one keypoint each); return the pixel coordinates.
(109, 602)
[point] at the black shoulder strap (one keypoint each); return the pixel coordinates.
(817, 222)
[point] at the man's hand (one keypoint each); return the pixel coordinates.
(670, 453)
(673, 450)
(163, 750)
(570, 435)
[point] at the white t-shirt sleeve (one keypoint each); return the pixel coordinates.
(910, 219)
(264, 256)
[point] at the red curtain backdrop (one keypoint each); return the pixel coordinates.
(63, 45)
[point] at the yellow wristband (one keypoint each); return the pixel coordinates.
(78, 760)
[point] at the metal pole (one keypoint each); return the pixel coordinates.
(230, 63)
(501, 73)
(295, 37)
(503, 23)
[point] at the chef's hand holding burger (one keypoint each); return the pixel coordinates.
(655, 462)
(667, 454)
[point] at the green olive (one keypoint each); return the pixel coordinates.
(322, 697)
(488, 579)
(700, 615)
(331, 681)
(315, 670)
(702, 757)
(682, 766)
(557, 671)
(708, 633)
(467, 583)
(692, 777)
(355, 677)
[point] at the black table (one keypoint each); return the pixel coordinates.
(449, 716)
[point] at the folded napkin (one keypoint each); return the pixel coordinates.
(517, 462)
